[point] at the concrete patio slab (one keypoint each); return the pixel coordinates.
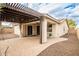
(27, 46)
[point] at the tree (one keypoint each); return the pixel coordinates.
(71, 23)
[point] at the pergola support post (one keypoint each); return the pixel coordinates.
(43, 30)
(21, 30)
(0, 27)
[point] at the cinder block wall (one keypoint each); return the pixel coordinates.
(77, 31)
(6, 30)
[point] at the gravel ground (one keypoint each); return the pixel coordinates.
(64, 48)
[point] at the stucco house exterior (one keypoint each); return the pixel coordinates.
(27, 22)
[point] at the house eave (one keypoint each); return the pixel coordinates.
(51, 18)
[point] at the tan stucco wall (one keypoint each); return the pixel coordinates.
(53, 30)
(62, 28)
(57, 29)
(7, 31)
(34, 28)
(24, 28)
(54, 27)
(17, 29)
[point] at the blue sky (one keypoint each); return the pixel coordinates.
(58, 10)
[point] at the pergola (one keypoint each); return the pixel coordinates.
(16, 12)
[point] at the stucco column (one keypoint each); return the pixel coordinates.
(26, 30)
(0, 27)
(17, 29)
(34, 29)
(43, 30)
(53, 30)
(56, 30)
(21, 30)
(0, 24)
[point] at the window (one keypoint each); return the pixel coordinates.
(50, 28)
(63, 28)
(50, 25)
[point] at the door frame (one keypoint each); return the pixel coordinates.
(29, 30)
(38, 30)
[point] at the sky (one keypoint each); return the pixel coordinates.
(58, 10)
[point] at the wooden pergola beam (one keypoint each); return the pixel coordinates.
(16, 18)
(15, 12)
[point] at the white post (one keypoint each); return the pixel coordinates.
(53, 30)
(0, 27)
(43, 30)
(56, 30)
(21, 30)
(26, 30)
(33, 29)
(17, 29)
